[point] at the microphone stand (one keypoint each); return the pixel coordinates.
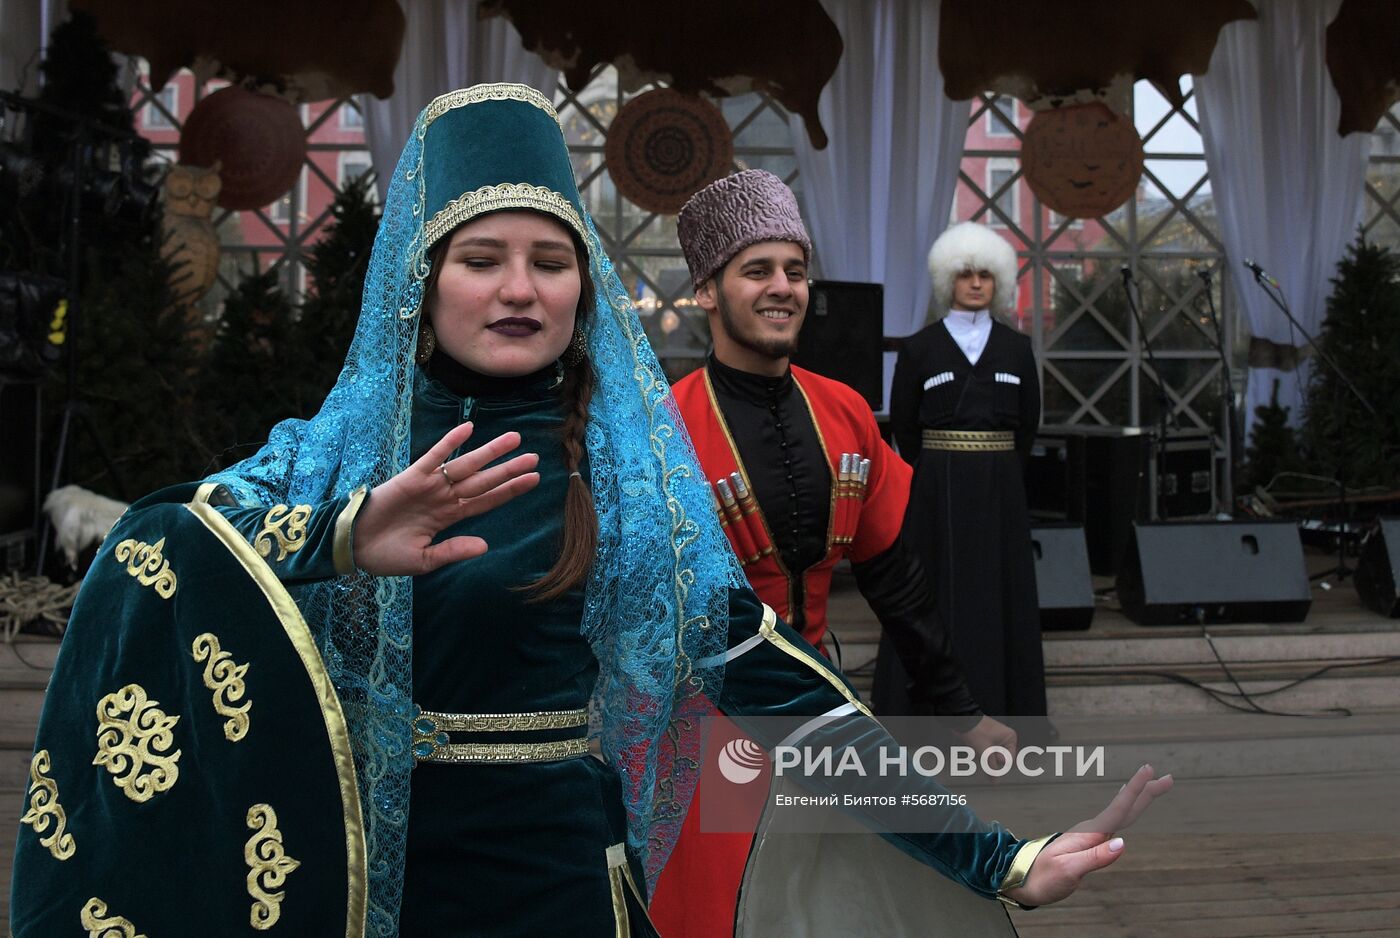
(1341, 571)
(1276, 295)
(1232, 438)
(1163, 403)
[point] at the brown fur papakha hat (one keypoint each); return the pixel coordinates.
(733, 213)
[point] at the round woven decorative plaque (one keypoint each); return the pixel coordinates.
(257, 139)
(1083, 160)
(664, 146)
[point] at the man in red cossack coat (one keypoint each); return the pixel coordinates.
(801, 480)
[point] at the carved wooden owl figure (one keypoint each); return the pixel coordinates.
(191, 243)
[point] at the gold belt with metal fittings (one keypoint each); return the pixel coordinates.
(431, 742)
(970, 441)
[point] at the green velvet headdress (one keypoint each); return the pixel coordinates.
(483, 152)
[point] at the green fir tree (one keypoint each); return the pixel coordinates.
(337, 265)
(131, 347)
(251, 376)
(1341, 437)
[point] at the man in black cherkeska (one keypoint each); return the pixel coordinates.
(965, 407)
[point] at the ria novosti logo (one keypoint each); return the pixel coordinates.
(741, 761)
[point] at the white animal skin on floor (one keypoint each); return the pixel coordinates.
(80, 518)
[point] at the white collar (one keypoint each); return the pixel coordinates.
(963, 317)
(970, 331)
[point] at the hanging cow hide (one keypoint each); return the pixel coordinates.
(309, 50)
(1041, 52)
(787, 48)
(1363, 55)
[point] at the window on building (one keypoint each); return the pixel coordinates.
(354, 166)
(281, 210)
(162, 108)
(350, 116)
(1001, 116)
(1003, 188)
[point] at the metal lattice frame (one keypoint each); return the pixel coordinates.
(1381, 211)
(290, 240)
(643, 244)
(1153, 234)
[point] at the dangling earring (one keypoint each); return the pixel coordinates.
(577, 350)
(427, 343)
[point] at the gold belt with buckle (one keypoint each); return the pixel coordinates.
(970, 441)
(431, 742)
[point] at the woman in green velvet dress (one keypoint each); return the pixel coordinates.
(498, 548)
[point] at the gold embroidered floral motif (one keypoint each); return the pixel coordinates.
(134, 734)
(268, 866)
(99, 925)
(225, 679)
(44, 808)
(288, 526)
(146, 563)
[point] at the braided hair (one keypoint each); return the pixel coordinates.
(580, 518)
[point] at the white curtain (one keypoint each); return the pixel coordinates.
(882, 190)
(445, 47)
(1287, 188)
(25, 26)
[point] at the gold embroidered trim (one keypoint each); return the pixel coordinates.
(970, 441)
(146, 563)
(299, 635)
(288, 526)
(344, 552)
(617, 862)
(268, 866)
(500, 91)
(637, 895)
(495, 198)
(505, 752)
(134, 734)
(99, 925)
(506, 722)
(758, 513)
(769, 630)
(620, 874)
(1021, 867)
(44, 808)
(225, 678)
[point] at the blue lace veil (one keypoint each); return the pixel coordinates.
(657, 596)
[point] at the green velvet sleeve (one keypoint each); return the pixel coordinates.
(193, 771)
(300, 543)
(771, 671)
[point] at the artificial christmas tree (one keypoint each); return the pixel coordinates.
(1342, 438)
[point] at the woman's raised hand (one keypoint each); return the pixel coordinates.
(395, 529)
(1090, 845)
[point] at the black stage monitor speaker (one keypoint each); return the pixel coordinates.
(1378, 573)
(1062, 577)
(1214, 571)
(843, 336)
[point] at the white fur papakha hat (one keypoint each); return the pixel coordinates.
(970, 246)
